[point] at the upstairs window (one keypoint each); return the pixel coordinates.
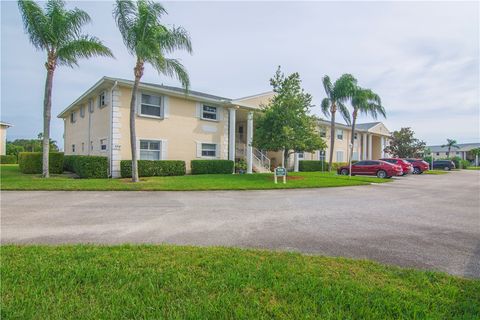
(73, 117)
(103, 144)
(150, 149)
(82, 111)
(209, 150)
(322, 131)
(339, 134)
(151, 105)
(101, 100)
(209, 112)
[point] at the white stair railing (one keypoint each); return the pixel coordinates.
(261, 158)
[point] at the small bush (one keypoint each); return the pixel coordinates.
(8, 159)
(212, 166)
(312, 165)
(31, 162)
(240, 165)
(464, 164)
(152, 168)
(336, 165)
(91, 167)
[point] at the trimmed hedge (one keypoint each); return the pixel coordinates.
(91, 167)
(312, 165)
(212, 166)
(151, 168)
(31, 162)
(68, 163)
(8, 159)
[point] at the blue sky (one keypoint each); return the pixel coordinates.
(422, 58)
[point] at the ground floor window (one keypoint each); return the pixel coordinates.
(150, 149)
(209, 150)
(355, 155)
(339, 156)
(301, 155)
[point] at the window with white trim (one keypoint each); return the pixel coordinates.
(339, 156)
(301, 155)
(82, 111)
(151, 105)
(91, 106)
(209, 112)
(73, 117)
(150, 149)
(103, 144)
(339, 134)
(322, 131)
(209, 149)
(102, 99)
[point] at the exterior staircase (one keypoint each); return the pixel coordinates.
(261, 163)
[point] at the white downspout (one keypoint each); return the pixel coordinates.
(110, 151)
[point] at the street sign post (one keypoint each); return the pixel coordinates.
(280, 172)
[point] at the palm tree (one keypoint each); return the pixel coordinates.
(149, 41)
(367, 102)
(451, 143)
(57, 31)
(337, 94)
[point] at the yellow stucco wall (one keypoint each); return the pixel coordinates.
(3, 139)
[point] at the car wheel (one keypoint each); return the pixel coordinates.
(447, 168)
(417, 170)
(381, 174)
(344, 172)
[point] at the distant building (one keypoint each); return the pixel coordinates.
(463, 152)
(3, 136)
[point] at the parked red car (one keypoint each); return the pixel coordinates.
(419, 166)
(377, 168)
(406, 166)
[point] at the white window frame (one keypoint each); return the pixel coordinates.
(209, 143)
(91, 106)
(102, 100)
(161, 106)
(337, 131)
(105, 144)
(203, 111)
(337, 157)
(322, 131)
(160, 143)
(73, 117)
(301, 155)
(82, 111)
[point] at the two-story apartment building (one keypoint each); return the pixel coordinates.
(174, 125)
(3, 136)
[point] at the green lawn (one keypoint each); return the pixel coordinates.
(473, 168)
(170, 282)
(436, 172)
(12, 179)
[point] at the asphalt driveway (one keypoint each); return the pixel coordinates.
(427, 221)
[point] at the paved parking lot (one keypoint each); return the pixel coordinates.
(422, 221)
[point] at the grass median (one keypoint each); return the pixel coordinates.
(13, 179)
(173, 282)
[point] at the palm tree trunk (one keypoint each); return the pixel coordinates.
(332, 137)
(47, 115)
(352, 141)
(133, 103)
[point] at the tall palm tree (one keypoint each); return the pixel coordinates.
(451, 143)
(337, 94)
(57, 31)
(149, 41)
(366, 102)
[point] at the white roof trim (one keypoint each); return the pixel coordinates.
(255, 95)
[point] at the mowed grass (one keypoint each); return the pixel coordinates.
(170, 282)
(473, 168)
(13, 179)
(436, 172)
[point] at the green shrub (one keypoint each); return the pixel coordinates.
(8, 159)
(31, 162)
(68, 163)
(312, 165)
(212, 166)
(240, 165)
(336, 165)
(464, 164)
(151, 168)
(90, 167)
